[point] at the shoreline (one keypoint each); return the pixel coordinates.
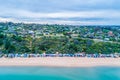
(60, 62)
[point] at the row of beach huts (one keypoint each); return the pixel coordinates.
(25, 55)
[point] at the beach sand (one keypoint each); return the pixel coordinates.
(60, 62)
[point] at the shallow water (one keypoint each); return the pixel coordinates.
(52, 73)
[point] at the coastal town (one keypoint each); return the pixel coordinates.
(60, 40)
(19, 39)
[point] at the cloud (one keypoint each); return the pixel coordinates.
(6, 19)
(61, 12)
(64, 14)
(66, 17)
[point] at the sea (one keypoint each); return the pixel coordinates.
(59, 73)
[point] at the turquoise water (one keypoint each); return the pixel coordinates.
(52, 73)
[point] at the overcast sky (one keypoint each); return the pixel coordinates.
(80, 12)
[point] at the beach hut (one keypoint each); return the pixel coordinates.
(1, 54)
(25, 55)
(11, 55)
(116, 55)
(79, 55)
(57, 54)
(90, 55)
(60, 55)
(44, 54)
(37, 55)
(97, 55)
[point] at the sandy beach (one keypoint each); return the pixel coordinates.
(60, 62)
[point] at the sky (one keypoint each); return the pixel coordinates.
(75, 12)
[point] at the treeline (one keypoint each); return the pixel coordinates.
(18, 44)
